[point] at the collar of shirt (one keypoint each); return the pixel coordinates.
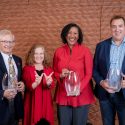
(117, 54)
(123, 41)
(5, 58)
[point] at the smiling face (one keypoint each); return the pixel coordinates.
(39, 55)
(72, 36)
(118, 30)
(7, 43)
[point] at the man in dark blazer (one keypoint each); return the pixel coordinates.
(109, 54)
(11, 103)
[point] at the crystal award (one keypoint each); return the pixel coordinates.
(9, 83)
(5, 82)
(114, 79)
(72, 84)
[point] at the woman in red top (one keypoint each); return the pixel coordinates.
(73, 56)
(38, 80)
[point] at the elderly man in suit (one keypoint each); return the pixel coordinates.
(109, 55)
(11, 104)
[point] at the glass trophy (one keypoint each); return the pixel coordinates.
(72, 84)
(114, 79)
(9, 83)
(5, 82)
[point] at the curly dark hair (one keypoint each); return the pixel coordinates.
(66, 29)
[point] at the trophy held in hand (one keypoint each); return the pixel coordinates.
(72, 84)
(114, 79)
(5, 82)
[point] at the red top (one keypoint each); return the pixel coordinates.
(79, 60)
(38, 101)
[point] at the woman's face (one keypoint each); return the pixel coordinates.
(39, 55)
(72, 36)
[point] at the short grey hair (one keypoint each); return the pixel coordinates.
(4, 33)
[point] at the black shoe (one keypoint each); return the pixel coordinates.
(88, 123)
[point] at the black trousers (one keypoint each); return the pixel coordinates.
(10, 118)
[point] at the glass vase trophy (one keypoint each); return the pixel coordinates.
(72, 84)
(9, 83)
(114, 79)
(5, 82)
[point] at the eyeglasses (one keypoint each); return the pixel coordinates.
(9, 42)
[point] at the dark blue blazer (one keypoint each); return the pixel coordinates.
(18, 102)
(101, 67)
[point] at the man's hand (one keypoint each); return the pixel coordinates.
(20, 86)
(9, 94)
(105, 85)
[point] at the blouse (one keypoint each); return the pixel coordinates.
(79, 60)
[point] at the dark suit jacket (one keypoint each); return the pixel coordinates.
(18, 103)
(101, 67)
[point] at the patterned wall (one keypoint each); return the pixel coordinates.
(42, 20)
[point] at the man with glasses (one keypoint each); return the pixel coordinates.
(11, 87)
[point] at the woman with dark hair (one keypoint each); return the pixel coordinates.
(73, 56)
(38, 78)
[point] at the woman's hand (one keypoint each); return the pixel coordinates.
(37, 80)
(65, 72)
(49, 78)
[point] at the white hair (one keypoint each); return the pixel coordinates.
(6, 34)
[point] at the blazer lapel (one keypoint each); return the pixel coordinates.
(123, 65)
(2, 64)
(107, 53)
(123, 71)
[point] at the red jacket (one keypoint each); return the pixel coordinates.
(38, 101)
(79, 60)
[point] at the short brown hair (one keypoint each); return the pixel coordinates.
(30, 55)
(117, 17)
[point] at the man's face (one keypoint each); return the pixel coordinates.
(118, 30)
(7, 44)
